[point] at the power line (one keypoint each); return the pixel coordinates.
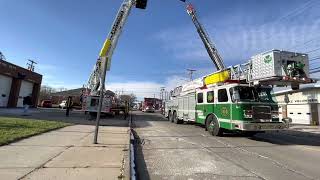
(313, 59)
(304, 43)
(313, 63)
(299, 10)
(291, 13)
(317, 49)
(315, 68)
(314, 71)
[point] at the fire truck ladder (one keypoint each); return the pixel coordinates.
(211, 49)
(104, 60)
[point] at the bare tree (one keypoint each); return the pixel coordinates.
(131, 98)
(45, 92)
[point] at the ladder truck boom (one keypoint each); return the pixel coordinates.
(211, 49)
(106, 52)
(96, 98)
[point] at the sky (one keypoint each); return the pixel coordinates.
(157, 44)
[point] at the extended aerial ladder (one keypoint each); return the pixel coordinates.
(95, 99)
(280, 68)
(211, 49)
(96, 79)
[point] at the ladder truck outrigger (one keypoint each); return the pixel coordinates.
(240, 97)
(96, 86)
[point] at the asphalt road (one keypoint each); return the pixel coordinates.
(187, 151)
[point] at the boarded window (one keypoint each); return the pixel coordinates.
(222, 95)
(210, 97)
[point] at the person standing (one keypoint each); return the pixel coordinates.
(69, 105)
(26, 103)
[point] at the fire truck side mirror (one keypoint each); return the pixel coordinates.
(141, 4)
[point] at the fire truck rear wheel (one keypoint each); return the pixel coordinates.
(176, 119)
(170, 117)
(213, 127)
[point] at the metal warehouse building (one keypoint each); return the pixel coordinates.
(16, 83)
(302, 105)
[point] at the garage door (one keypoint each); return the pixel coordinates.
(300, 114)
(5, 84)
(25, 90)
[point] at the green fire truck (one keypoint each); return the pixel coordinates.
(240, 97)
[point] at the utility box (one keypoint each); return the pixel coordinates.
(279, 64)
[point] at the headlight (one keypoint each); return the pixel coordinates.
(275, 114)
(247, 113)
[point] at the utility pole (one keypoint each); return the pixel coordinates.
(191, 71)
(166, 95)
(162, 89)
(2, 57)
(31, 65)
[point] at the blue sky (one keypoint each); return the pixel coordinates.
(157, 45)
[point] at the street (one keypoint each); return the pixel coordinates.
(187, 151)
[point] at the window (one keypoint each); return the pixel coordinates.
(210, 97)
(222, 95)
(231, 94)
(200, 97)
(251, 94)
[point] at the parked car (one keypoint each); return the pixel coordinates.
(63, 104)
(150, 109)
(46, 103)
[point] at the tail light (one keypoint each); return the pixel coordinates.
(247, 113)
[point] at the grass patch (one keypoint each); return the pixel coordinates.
(13, 129)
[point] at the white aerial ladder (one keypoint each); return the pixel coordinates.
(96, 82)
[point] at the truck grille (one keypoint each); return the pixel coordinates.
(261, 113)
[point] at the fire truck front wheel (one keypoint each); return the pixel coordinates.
(213, 127)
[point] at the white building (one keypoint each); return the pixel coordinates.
(302, 105)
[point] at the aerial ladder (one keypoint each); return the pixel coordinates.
(211, 49)
(95, 99)
(275, 67)
(104, 60)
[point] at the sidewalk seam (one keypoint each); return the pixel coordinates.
(43, 164)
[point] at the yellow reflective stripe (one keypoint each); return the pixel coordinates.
(105, 48)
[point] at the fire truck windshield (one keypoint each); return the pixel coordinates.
(265, 95)
(251, 94)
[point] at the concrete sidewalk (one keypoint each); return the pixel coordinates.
(303, 131)
(304, 128)
(68, 153)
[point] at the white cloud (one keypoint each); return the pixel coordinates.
(146, 88)
(140, 88)
(239, 40)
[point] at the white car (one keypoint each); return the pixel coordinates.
(63, 104)
(149, 109)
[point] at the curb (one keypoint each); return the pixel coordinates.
(133, 173)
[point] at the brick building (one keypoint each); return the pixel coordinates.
(16, 83)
